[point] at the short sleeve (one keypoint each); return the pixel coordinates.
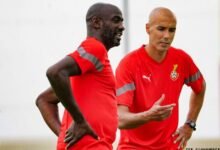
(194, 77)
(90, 56)
(125, 85)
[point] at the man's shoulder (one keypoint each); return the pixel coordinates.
(93, 42)
(180, 55)
(129, 60)
(178, 51)
(132, 54)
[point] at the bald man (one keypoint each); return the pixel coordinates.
(149, 82)
(83, 82)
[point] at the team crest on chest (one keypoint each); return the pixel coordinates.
(174, 74)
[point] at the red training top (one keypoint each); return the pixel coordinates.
(94, 91)
(140, 83)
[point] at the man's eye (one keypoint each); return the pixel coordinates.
(172, 29)
(116, 19)
(160, 28)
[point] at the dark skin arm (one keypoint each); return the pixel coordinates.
(184, 133)
(47, 103)
(58, 75)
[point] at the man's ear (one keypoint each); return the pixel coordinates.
(96, 22)
(147, 27)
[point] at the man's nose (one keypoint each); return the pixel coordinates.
(167, 34)
(122, 28)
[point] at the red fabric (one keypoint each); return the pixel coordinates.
(151, 80)
(94, 91)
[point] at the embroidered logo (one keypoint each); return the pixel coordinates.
(174, 74)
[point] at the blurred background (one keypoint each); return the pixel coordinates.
(36, 34)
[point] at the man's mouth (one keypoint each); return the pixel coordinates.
(165, 43)
(118, 35)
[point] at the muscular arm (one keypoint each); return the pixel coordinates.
(58, 75)
(128, 120)
(47, 104)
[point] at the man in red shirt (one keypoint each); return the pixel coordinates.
(149, 82)
(84, 83)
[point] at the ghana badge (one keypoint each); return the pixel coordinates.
(174, 74)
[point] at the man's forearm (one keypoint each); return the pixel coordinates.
(196, 102)
(128, 120)
(51, 116)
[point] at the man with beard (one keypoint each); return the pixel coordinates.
(149, 82)
(84, 83)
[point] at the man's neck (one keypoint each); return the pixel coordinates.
(98, 37)
(156, 55)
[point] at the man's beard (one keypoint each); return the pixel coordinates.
(109, 38)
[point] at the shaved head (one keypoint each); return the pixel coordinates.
(101, 10)
(161, 13)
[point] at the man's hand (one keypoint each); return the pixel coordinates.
(158, 112)
(77, 131)
(183, 134)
